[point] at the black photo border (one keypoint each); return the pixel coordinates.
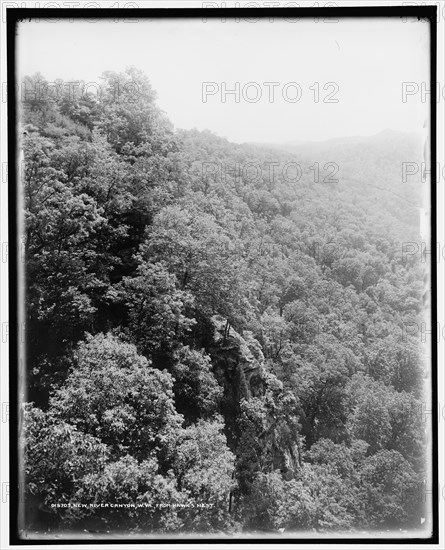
(15, 16)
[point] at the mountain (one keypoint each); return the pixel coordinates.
(384, 135)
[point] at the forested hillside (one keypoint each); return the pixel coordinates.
(215, 332)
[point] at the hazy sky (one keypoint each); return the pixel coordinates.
(366, 61)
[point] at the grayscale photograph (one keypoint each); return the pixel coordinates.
(224, 276)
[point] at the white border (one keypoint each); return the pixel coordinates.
(4, 434)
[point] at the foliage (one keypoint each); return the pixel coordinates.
(196, 390)
(200, 335)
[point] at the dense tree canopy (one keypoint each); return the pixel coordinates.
(220, 346)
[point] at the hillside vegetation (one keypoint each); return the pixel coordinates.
(216, 333)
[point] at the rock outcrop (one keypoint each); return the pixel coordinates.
(239, 367)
